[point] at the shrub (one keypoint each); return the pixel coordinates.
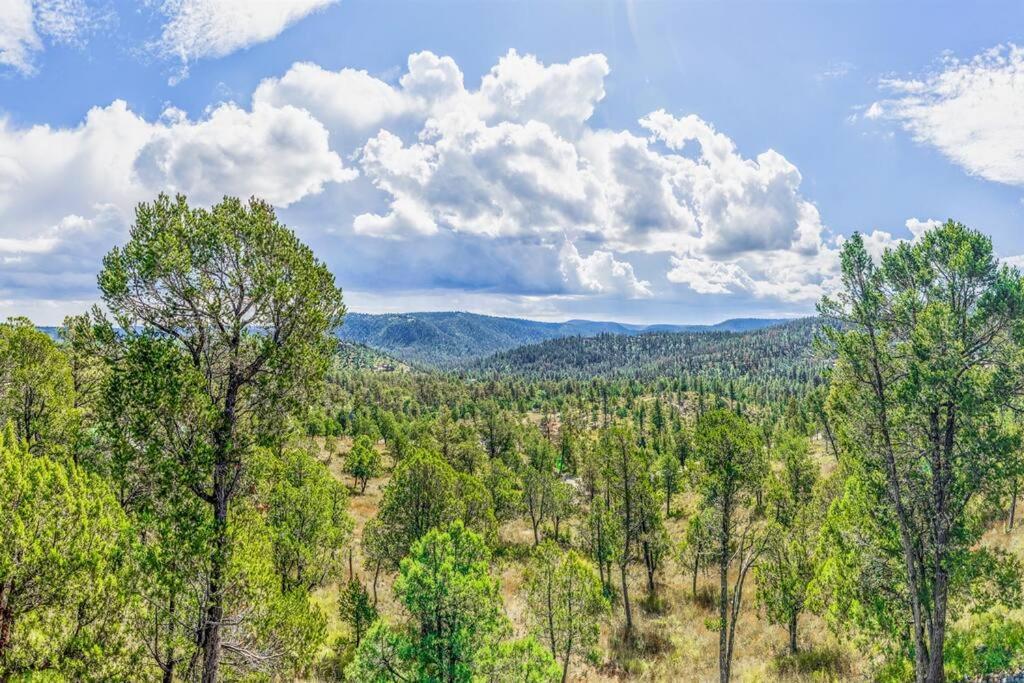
(992, 643)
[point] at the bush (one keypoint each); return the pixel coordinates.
(825, 660)
(656, 604)
(992, 643)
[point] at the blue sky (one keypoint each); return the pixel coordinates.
(645, 161)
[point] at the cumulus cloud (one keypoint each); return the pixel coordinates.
(971, 110)
(26, 25)
(116, 157)
(67, 194)
(918, 227)
(196, 29)
(518, 158)
(349, 100)
(505, 187)
(278, 153)
(521, 89)
(600, 273)
(62, 260)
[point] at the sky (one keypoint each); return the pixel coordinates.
(674, 162)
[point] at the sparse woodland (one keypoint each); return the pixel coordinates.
(198, 482)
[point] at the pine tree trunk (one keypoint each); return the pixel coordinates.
(169, 653)
(723, 594)
(625, 603)
(937, 640)
(222, 489)
(376, 576)
(215, 588)
(1012, 518)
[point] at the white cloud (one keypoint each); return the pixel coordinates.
(25, 23)
(18, 37)
(1017, 260)
(708, 277)
(405, 217)
(517, 158)
(214, 28)
(67, 194)
(600, 273)
(521, 89)
(278, 153)
(348, 100)
(116, 157)
(970, 110)
(501, 180)
(493, 188)
(61, 261)
(918, 227)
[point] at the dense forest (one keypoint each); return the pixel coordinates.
(450, 339)
(771, 363)
(199, 482)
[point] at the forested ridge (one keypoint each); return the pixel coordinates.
(780, 353)
(198, 482)
(450, 339)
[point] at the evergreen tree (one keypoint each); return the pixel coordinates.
(928, 348)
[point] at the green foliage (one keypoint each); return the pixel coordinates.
(456, 626)
(356, 610)
(419, 497)
(162, 485)
(539, 481)
(523, 660)
(506, 491)
(363, 462)
(785, 571)
(445, 339)
(308, 517)
(697, 549)
(240, 316)
(566, 602)
(859, 585)
(65, 570)
(383, 656)
(453, 601)
(992, 643)
(928, 348)
(670, 477)
(731, 468)
(475, 507)
(764, 365)
(730, 463)
(36, 388)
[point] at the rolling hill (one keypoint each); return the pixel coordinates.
(447, 339)
(781, 352)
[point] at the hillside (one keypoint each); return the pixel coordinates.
(353, 356)
(447, 338)
(780, 353)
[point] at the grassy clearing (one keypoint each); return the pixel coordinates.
(674, 642)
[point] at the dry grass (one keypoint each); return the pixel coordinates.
(674, 644)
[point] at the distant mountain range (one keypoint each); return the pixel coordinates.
(447, 339)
